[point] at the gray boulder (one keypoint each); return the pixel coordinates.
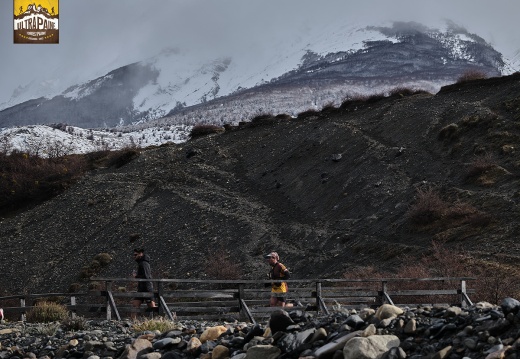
(370, 347)
(510, 305)
(279, 321)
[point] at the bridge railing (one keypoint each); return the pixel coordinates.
(248, 299)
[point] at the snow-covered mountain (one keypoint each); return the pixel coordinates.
(316, 69)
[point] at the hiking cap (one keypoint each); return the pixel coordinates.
(273, 255)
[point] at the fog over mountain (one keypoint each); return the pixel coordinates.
(325, 68)
(93, 41)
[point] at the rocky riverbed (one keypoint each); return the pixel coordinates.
(480, 331)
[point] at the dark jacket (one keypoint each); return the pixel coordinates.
(145, 272)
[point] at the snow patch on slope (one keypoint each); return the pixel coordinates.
(60, 140)
(180, 80)
(80, 91)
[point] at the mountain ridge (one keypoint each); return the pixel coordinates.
(401, 54)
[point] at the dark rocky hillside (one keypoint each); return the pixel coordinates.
(329, 190)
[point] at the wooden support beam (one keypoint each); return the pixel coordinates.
(242, 306)
(321, 305)
(318, 296)
(246, 311)
(384, 293)
(164, 307)
(113, 305)
(464, 299)
(388, 299)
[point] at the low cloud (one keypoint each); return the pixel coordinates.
(97, 36)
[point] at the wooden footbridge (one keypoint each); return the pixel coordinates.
(245, 299)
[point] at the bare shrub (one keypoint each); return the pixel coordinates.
(203, 130)
(405, 91)
(6, 146)
(446, 262)
(56, 149)
(93, 268)
(220, 265)
(493, 281)
(283, 116)
(479, 166)
(307, 113)
(160, 324)
(329, 106)
(361, 99)
(375, 97)
(348, 102)
(120, 158)
(495, 284)
(365, 272)
(427, 208)
(263, 119)
(46, 312)
(400, 92)
(86, 272)
(74, 287)
(430, 207)
(134, 236)
(439, 261)
(416, 270)
(460, 210)
(103, 258)
(479, 119)
(74, 324)
(27, 179)
(46, 329)
(470, 75)
(59, 126)
(449, 132)
(95, 286)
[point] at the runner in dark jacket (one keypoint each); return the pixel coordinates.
(143, 272)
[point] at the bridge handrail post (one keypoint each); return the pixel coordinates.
(464, 299)
(108, 288)
(22, 305)
(73, 306)
(320, 303)
(318, 296)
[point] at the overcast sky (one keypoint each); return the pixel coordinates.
(97, 36)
